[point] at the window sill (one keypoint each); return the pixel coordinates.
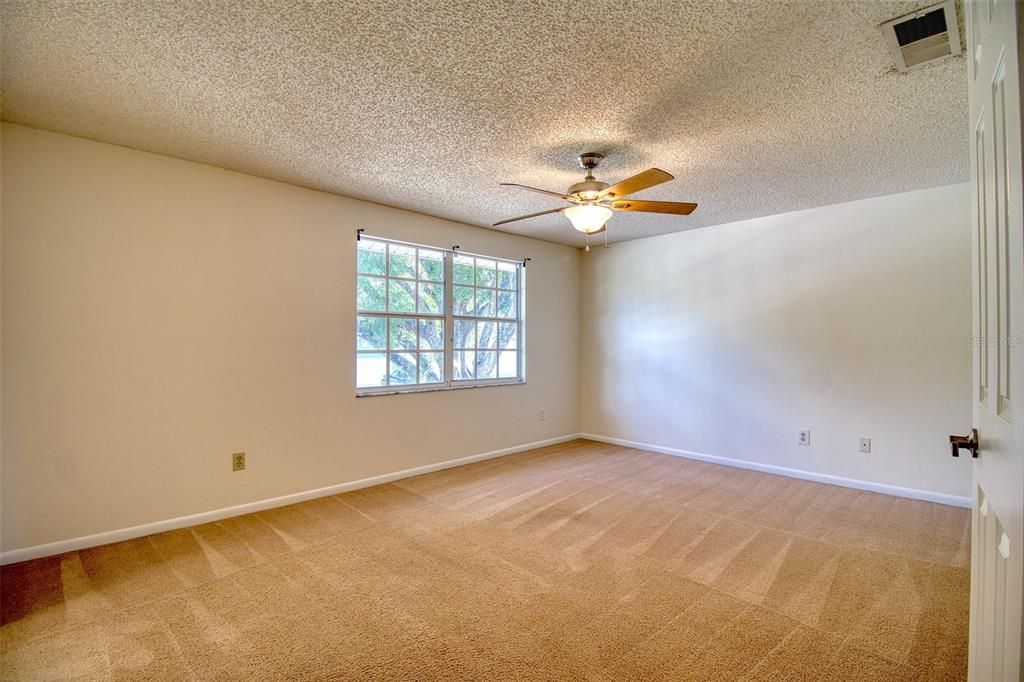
(390, 390)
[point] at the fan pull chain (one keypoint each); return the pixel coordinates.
(588, 244)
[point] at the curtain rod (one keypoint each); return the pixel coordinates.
(361, 232)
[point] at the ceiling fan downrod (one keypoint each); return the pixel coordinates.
(590, 161)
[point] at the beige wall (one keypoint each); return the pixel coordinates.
(850, 320)
(158, 315)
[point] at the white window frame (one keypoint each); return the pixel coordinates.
(449, 317)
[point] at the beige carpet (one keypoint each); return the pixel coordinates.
(577, 561)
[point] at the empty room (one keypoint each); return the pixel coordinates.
(495, 340)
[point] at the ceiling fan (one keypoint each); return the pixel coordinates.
(593, 202)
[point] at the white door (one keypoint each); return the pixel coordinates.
(997, 585)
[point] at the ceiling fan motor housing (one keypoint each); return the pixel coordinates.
(587, 190)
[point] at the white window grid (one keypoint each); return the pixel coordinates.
(488, 323)
(447, 317)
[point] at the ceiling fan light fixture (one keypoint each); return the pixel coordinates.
(592, 202)
(588, 218)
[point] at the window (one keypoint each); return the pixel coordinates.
(485, 299)
(411, 299)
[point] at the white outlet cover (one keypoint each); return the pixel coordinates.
(805, 437)
(865, 445)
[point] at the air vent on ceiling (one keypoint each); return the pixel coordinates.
(924, 36)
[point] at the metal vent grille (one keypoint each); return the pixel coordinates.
(924, 36)
(919, 28)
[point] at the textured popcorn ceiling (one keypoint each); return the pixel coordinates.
(755, 107)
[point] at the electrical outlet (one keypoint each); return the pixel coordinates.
(540, 415)
(237, 461)
(865, 445)
(805, 437)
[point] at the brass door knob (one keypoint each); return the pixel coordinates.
(966, 442)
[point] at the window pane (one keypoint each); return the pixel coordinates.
(370, 333)
(465, 334)
(403, 333)
(486, 364)
(507, 364)
(486, 334)
(485, 302)
(464, 367)
(409, 343)
(403, 369)
(431, 334)
(370, 257)
(431, 265)
(463, 300)
(431, 298)
(371, 369)
(401, 296)
(485, 276)
(507, 334)
(431, 368)
(507, 304)
(370, 293)
(463, 269)
(402, 261)
(506, 275)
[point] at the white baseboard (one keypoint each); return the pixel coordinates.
(898, 491)
(72, 544)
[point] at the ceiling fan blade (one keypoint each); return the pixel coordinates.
(673, 207)
(532, 215)
(649, 178)
(534, 189)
